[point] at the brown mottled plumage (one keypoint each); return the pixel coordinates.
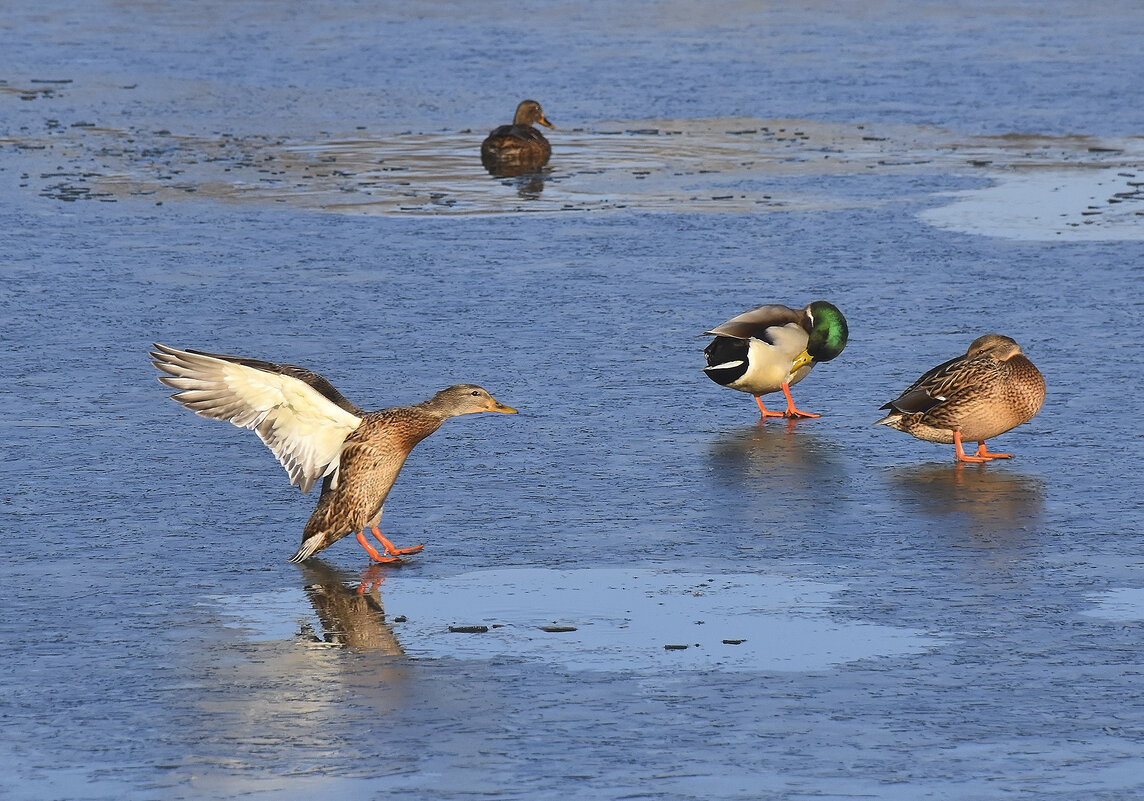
(518, 145)
(317, 434)
(988, 391)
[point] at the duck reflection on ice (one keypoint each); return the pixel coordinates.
(775, 457)
(764, 473)
(349, 607)
(1000, 505)
(529, 181)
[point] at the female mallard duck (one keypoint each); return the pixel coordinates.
(772, 347)
(519, 144)
(991, 389)
(317, 434)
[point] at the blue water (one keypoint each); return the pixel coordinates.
(157, 645)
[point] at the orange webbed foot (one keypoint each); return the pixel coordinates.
(791, 411)
(985, 454)
(373, 554)
(959, 451)
(978, 458)
(392, 549)
(763, 409)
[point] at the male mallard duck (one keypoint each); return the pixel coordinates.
(317, 434)
(519, 144)
(769, 348)
(991, 389)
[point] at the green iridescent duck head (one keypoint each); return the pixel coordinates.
(827, 334)
(828, 331)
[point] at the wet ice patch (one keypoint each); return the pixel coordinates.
(265, 616)
(606, 619)
(1051, 187)
(614, 619)
(1122, 604)
(1050, 204)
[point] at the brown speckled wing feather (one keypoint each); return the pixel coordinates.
(932, 389)
(516, 143)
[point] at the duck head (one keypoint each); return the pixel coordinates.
(528, 112)
(827, 334)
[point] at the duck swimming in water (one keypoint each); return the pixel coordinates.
(317, 434)
(518, 145)
(770, 348)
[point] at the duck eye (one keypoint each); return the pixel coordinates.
(476, 393)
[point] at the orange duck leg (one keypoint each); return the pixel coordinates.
(373, 553)
(982, 454)
(390, 548)
(791, 411)
(985, 454)
(763, 409)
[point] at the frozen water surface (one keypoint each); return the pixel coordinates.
(597, 619)
(1120, 603)
(1077, 204)
(862, 617)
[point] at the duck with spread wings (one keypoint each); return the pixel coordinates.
(318, 435)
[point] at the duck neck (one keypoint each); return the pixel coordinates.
(436, 408)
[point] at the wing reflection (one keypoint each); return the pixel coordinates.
(349, 607)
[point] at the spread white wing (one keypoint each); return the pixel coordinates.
(303, 427)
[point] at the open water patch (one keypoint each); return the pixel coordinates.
(1043, 187)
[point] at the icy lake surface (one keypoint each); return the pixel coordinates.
(632, 589)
